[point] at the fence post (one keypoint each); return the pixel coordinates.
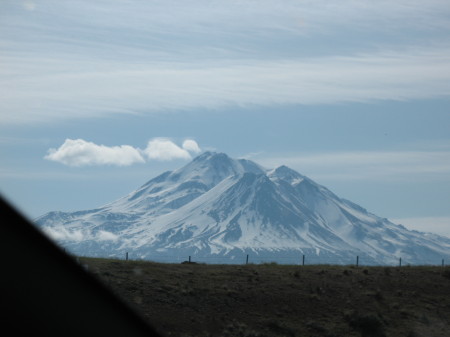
(189, 259)
(400, 262)
(126, 256)
(303, 260)
(443, 264)
(357, 261)
(246, 261)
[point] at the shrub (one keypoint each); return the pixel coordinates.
(446, 273)
(370, 325)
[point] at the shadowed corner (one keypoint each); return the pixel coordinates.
(46, 292)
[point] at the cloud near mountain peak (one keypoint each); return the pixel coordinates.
(79, 152)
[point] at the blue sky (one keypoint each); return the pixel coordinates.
(97, 97)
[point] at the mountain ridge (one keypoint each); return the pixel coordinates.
(216, 207)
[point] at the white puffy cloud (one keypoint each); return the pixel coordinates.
(78, 152)
(164, 149)
(191, 146)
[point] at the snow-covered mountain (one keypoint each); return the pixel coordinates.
(218, 209)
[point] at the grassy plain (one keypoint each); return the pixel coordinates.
(280, 300)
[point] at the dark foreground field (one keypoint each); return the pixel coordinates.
(277, 300)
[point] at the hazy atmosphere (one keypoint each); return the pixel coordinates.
(98, 97)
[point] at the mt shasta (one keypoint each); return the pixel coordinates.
(218, 210)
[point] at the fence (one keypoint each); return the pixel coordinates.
(302, 260)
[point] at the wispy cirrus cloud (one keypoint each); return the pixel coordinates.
(157, 87)
(78, 152)
(366, 165)
(62, 61)
(437, 225)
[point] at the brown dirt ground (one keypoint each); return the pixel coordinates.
(280, 300)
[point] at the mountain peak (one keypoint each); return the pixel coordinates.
(212, 167)
(211, 155)
(283, 169)
(287, 174)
